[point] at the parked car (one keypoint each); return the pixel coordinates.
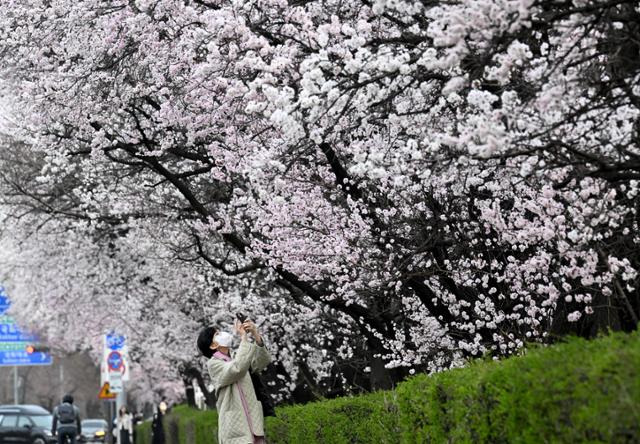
(93, 430)
(25, 424)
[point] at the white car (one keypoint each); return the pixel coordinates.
(93, 430)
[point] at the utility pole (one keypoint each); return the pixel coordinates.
(15, 384)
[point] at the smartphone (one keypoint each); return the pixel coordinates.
(241, 317)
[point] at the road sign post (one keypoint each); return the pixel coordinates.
(109, 396)
(115, 365)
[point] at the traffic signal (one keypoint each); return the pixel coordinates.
(34, 348)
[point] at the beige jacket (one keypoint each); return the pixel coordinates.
(124, 422)
(239, 412)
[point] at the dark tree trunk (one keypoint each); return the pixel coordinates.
(192, 373)
(190, 392)
(381, 377)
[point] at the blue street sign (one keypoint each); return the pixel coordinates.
(14, 336)
(4, 301)
(13, 341)
(115, 342)
(9, 331)
(21, 357)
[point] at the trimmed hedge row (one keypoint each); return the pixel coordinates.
(367, 418)
(184, 425)
(578, 391)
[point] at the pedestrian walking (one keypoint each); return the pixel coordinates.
(66, 421)
(157, 426)
(240, 415)
(124, 426)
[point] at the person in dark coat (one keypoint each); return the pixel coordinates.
(157, 429)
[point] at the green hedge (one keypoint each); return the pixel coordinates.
(578, 391)
(143, 433)
(343, 420)
(184, 425)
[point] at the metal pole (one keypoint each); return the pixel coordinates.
(110, 439)
(15, 384)
(61, 376)
(121, 399)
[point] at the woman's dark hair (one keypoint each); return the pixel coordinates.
(205, 338)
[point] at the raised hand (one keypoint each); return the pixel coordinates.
(251, 327)
(239, 328)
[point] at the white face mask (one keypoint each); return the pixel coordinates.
(224, 339)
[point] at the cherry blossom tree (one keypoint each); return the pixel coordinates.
(74, 277)
(398, 186)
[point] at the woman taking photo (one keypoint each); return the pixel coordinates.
(240, 414)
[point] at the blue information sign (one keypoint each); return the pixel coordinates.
(115, 342)
(4, 301)
(21, 357)
(9, 333)
(13, 341)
